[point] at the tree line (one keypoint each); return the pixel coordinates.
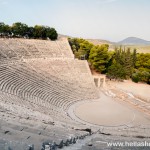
(21, 30)
(123, 63)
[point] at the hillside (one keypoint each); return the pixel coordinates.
(141, 48)
(99, 41)
(141, 45)
(134, 41)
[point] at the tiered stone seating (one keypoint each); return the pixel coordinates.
(14, 109)
(23, 136)
(65, 48)
(25, 48)
(19, 49)
(39, 80)
(2, 56)
(78, 71)
(30, 46)
(52, 91)
(49, 49)
(20, 80)
(6, 50)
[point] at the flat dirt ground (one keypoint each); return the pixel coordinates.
(138, 89)
(108, 112)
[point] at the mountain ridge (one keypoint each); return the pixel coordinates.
(127, 41)
(134, 41)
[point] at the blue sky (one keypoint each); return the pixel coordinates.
(102, 19)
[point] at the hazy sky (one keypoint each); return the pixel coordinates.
(104, 19)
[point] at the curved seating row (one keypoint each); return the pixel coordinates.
(44, 93)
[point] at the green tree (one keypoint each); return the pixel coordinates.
(142, 67)
(30, 32)
(143, 61)
(51, 33)
(134, 57)
(19, 29)
(5, 29)
(80, 47)
(116, 71)
(38, 31)
(122, 64)
(99, 57)
(128, 64)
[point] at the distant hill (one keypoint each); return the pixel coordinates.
(99, 41)
(133, 41)
(141, 45)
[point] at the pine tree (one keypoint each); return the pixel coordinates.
(134, 56)
(128, 64)
(99, 57)
(122, 65)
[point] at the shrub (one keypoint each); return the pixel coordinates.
(135, 77)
